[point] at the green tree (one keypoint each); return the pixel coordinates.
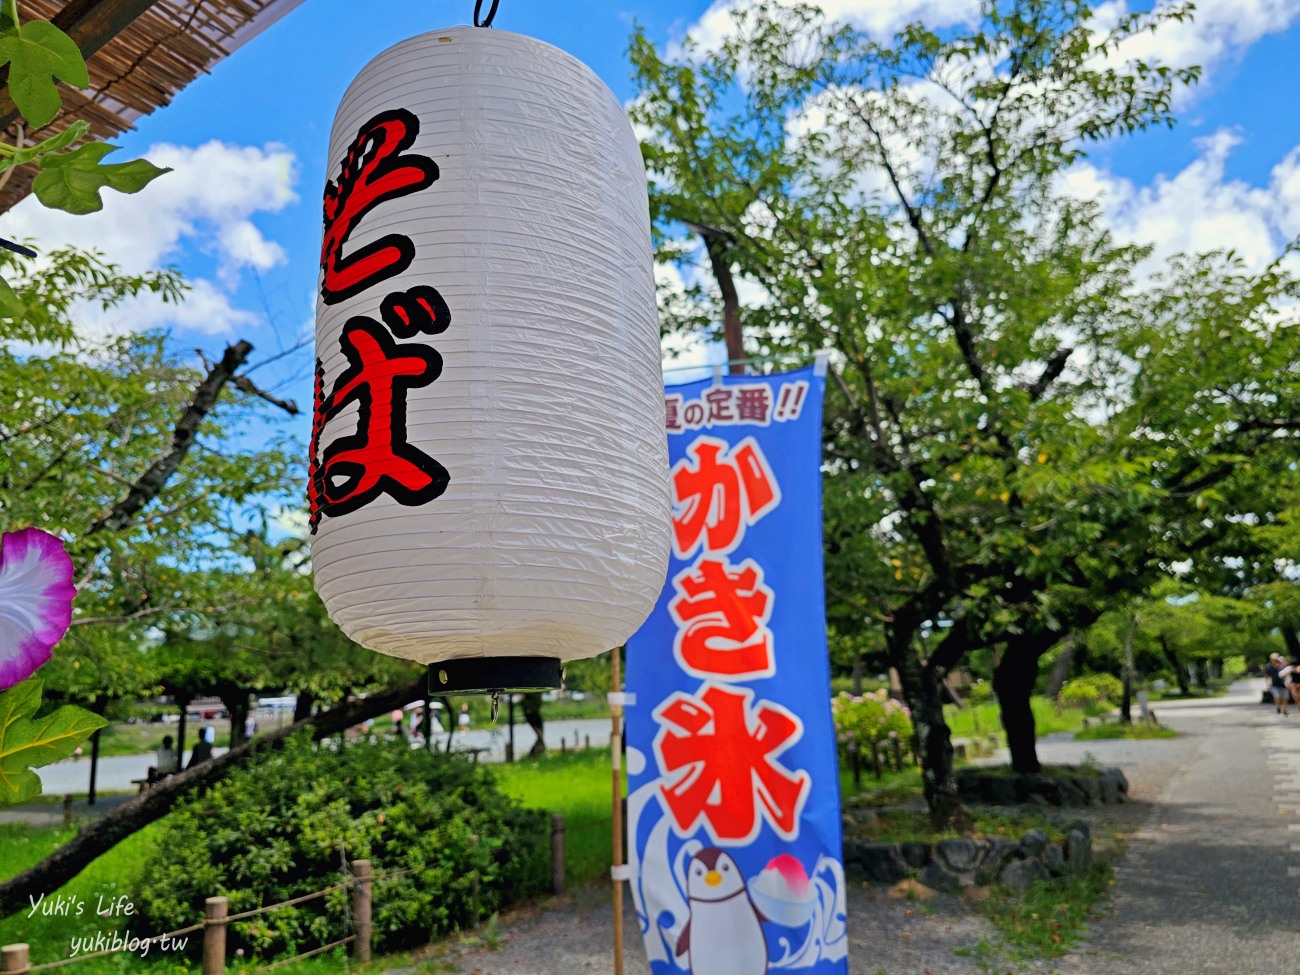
(1011, 438)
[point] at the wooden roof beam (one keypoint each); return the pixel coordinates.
(91, 24)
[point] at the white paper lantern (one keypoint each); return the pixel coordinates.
(490, 475)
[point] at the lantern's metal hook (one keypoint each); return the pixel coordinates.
(496, 704)
(480, 21)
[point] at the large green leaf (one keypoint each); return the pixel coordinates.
(11, 306)
(27, 742)
(71, 181)
(38, 53)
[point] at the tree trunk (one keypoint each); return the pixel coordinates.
(1060, 670)
(236, 702)
(303, 705)
(923, 688)
(1292, 640)
(98, 707)
(109, 830)
(1013, 683)
(1180, 673)
(1126, 702)
(533, 715)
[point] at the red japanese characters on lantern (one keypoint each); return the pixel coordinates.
(488, 470)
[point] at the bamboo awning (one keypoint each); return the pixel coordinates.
(140, 53)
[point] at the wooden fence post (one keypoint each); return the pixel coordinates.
(875, 758)
(215, 910)
(13, 959)
(898, 754)
(361, 908)
(855, 765)
(557, 852)
(67, 810)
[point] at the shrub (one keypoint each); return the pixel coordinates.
(1091, 690)
(870, 717)
(981, 692)
(284, 827)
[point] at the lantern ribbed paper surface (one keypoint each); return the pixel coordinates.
(489, 460)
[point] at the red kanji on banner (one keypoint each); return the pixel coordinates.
(376, 459)
(716, 493)
(721, 613)
(375, 169)
(718, 754)
(720, 405)
(673, 413)
(754, 404)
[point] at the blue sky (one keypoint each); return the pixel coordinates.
(241, 214)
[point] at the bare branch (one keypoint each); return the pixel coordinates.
(151, 482)
(247, 385)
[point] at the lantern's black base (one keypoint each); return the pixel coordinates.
(483, 675)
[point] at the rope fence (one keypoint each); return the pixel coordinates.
(15, 958)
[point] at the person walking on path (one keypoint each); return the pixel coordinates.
(1276, 673)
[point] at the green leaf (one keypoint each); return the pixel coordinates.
(27, 742)
(38, 53)
(11, 306)
(53, 144)
(71, 181)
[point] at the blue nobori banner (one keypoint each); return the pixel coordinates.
(733, 787)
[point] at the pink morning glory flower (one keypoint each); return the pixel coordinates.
(36, 594)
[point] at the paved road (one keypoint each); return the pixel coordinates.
(1209, 886)
(115, 774)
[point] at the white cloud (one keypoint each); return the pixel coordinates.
(1199, 208)
(1219, 30)
(880, 18)
(212, 190)
(205, 205)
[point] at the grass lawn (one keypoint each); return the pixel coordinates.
(983, 719)
(116, 873)
(1117, 729)
(579, 785)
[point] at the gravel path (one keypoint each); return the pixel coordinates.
(1209, 886)
(1206, 888)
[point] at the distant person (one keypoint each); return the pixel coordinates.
(250, 727)
(203, 747)
(398, 731)
(1276, 673)
(464, 719)
(166, 761)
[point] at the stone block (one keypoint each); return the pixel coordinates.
(916, 854)
(1033, 843)
(960, 855)
(996, 854)
(1054, 859)
(1078, 851)
(938, 877)
(1020, 875)
(877, 861)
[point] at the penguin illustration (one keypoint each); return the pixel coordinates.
(728, 936)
